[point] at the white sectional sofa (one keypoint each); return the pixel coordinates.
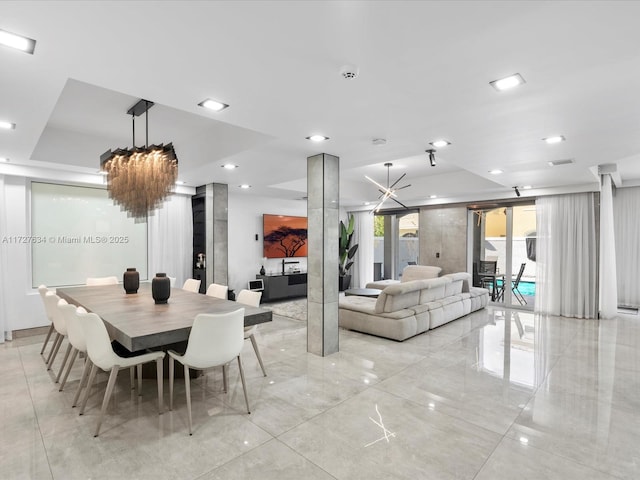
(406, 309)
(409, 273)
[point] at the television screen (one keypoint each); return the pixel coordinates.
(284, 236)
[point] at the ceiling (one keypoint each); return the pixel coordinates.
(424, 73)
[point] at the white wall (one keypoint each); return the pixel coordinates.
(24, 307)
(245, 221)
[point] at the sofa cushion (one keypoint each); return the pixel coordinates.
(419, 272)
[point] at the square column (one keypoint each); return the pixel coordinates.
(323, 186)
(217, 233)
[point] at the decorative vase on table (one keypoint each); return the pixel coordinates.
(161, 288)
(131, 280)
(262, 272)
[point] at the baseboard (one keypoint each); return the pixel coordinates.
(30, 332)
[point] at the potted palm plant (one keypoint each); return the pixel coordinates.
(346, 252)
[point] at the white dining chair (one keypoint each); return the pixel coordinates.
(42, 290)
(102, 356)
(218, 291)
(251, 298)
(75, 336)
(60, 326)
(192, 285)
(94, 281)
(215, 340)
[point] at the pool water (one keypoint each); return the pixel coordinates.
(525, 288)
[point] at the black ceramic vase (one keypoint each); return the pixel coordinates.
(262, 272)
(161, 288)
(131, 280)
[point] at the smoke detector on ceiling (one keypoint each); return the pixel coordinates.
(379, 141)
(349, 71)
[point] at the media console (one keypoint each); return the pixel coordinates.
(279, 287)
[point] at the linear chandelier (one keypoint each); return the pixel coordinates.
(140, 178)
(388, 191)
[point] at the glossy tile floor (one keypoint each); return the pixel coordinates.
(495, 395)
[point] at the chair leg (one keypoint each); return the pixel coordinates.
(46, 340)
(85, 372)
(139, 367)
(244, 384)
(171, 371)
(74, 354)
(92, 376)
(132, 377)
(64, 362)
(54, 350)
(160, 375)
(107, 395)
(187, 386)
(255, 349)
(225, 378)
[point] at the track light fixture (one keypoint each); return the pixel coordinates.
(432, 156)
(517, 191)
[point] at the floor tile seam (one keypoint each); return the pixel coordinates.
(35, 415)
(324, 411)
(450, 415)
(209, 472)
(273, 439)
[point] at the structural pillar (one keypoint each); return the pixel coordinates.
(217, 233)
(323, 183)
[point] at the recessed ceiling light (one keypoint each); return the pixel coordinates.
(317, 138)
(244, 185)
(507, 82)
(179, 182)
(7, 125)
(495, 171)
(366, 203)
(433, 196)
(4, 160)
(440, 143)
(554, 139)
(526, 187)
(214, 105)
(18, 42)
(229, 166)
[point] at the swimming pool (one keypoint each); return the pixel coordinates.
(525, 288)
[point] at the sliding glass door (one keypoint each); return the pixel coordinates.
(503, 251)
(396, 243)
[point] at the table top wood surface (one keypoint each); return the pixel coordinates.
(138, 323)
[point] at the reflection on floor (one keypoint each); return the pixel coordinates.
(495, 395)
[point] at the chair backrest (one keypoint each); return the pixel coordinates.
(93, 281)
(192, 285)
(487, 266)
(249, 297)
(42, 290)
(98, 342)
(218, 291)
(75, 333)
(517, 280)
(51, 301)
(215, 339)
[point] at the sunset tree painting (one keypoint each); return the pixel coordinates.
(285, 236)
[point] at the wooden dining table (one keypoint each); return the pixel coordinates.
(138, 323)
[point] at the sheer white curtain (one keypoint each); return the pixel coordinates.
(566, 255)
(363, 236)
(626, 214)
(608, 289)
(171, 239)
(5, 334)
